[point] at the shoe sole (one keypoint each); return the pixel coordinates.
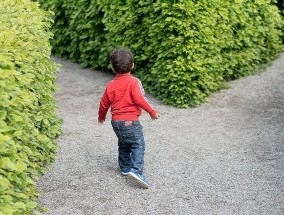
(124, 174)
(138, 181)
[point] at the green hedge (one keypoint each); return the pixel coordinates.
(28, 122)
(280, 4)
(184, 49)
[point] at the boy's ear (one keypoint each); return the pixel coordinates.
(132, 66)
(112, 68)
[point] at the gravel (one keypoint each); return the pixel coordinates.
(223, 157)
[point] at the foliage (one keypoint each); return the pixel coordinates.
(280, 5)
(28, 123)
(184, 49)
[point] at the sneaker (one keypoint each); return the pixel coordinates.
(139, 179)
(125, 172)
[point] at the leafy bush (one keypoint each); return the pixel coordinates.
(184, 49)
(28, 123)
(280, 4)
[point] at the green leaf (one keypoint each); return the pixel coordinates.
(6, 163)
(32, 205)
(21, 166)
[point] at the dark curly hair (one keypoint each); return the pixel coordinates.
(121, 60)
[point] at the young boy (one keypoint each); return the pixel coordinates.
(125, 95)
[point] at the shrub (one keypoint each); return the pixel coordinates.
(28, 123)
(280, 5)
(184, 49)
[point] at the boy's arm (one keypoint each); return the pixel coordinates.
(104, 106)
(139, 98)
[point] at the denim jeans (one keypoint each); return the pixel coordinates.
(131, 145)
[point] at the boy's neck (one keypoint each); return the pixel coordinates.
(126, 73)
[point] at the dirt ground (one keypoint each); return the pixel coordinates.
(223, 157)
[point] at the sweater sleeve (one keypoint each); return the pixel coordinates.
(139, 98)
(104, 106)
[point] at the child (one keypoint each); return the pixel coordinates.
(125, 95)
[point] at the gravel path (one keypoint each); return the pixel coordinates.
(223, 157)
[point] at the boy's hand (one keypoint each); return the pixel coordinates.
(157, 116)
(101, 122)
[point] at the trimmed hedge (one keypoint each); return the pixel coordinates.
(280, 4)
(28, 122)
(184, 49)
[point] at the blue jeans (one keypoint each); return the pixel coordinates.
(131, 145)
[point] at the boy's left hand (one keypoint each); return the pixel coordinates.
(101, 122)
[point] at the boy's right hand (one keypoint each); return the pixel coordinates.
(157, 116)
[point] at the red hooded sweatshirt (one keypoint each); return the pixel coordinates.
(125, 95)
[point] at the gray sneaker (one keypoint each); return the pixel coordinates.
(139, 179)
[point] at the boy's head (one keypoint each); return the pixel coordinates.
(121, 60)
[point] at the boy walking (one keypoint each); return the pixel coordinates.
(125, 95)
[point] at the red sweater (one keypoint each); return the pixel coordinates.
(125, 95)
